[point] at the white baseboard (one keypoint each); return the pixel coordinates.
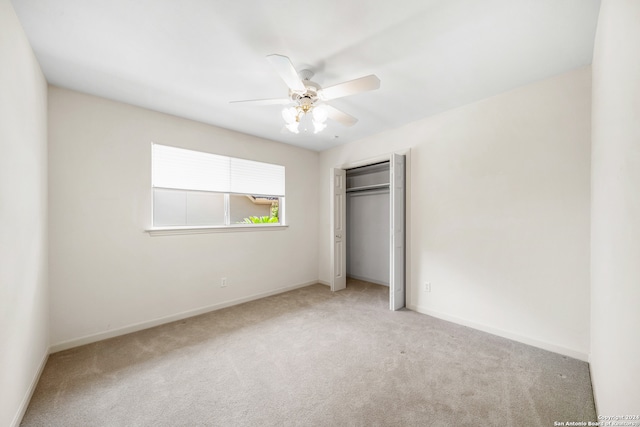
(65, 345)
(323, 282)
(576, 354)
(22, 409)
(593, 388)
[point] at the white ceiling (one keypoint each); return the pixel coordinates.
(191, 57)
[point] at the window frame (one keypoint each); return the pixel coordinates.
(154, 230)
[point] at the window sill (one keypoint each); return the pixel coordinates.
(172, 231)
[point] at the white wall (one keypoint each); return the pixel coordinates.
(107, 275)
(615, 232)
(24, 304)
(368, 236)
(498, 207)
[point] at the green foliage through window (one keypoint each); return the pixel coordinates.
(272, 218)
(260, 220)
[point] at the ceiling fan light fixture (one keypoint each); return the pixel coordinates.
(292, 127)
(318, 126)
(290, 115)
(320, 114)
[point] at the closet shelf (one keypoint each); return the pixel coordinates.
(368, 187)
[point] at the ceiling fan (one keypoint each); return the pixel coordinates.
(307, 97)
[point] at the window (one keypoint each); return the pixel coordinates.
(196, 189)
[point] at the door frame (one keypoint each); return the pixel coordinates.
(407, 223)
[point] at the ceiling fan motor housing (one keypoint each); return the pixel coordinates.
(306, 99)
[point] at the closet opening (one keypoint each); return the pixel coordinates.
(368, 226)
(367, 223)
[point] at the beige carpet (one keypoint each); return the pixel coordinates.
(311, 358)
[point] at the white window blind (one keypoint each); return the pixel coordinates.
(178, 168)
(249, 177)
(189, 170)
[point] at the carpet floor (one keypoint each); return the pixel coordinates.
(310, 357)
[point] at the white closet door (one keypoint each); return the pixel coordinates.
(338, 239)
(397, 238)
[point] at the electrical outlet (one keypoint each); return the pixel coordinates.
(223, 282)
(427, 287)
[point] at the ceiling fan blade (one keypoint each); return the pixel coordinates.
(340, 116)
(275, 101)
(363, 84)
(287, 72)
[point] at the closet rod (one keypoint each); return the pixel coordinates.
(368, 188)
